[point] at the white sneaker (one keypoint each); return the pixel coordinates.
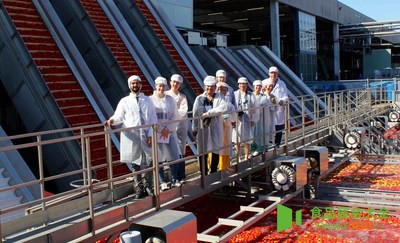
(255, 153)
(164, 186)
(177, 184)
(182, 182)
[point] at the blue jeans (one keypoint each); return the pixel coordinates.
(174, 173)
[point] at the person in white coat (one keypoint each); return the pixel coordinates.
(260, 120)
(167, 114)
(134, 110)
(280, 94)
(243, 132)
(209, 132)
(228, 118)
(220, 75)
(270, 111)
(183, 126)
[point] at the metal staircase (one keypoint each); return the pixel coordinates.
(9, 199)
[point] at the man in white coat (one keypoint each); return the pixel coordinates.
(209, 137)
(134, 110)
(281, 99)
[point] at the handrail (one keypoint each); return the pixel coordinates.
(332, 116)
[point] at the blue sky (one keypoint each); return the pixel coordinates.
(380, 10)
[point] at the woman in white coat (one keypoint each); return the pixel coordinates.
(260, 120)
(183, 126)
(209, 137)
(228, 118)
(243, 132)
(167, 111)
(271, 111)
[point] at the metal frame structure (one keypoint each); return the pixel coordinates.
(96, 210)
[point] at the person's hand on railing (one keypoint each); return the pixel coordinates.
(108, 123)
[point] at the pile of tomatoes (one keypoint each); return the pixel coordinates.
(364, 175)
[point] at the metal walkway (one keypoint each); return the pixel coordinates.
(93, 209)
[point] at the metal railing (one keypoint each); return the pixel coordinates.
(92, 194)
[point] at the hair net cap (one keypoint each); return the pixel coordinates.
(273, 69)
(210, 81)
(222, 84)
(267, 81)
(161, 80)
(132, 78)
(257, 82)
(220, 73)
(176, 77)
(242, 80)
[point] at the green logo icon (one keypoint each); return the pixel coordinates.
(285, 218)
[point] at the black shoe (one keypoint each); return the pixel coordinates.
(149, 191)
(139, 194)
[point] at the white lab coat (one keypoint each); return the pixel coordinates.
(167, 111)
(281, 94)
(270, 116)
(243, 129)
(230, 96)
(183, 126)
(269, 110)
(129, 114)
(213, 133)
(259, 122)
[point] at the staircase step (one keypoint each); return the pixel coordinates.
(18, 4)
(59, 94)
(4, 182)
(9, 194)
(10, 202)
(15, 214)
(32, 25)
(41, 47)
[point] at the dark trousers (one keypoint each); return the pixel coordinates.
(181, 170)
(278, 135)
(142, 181)
(213, 165)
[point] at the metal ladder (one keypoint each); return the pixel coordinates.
(240, 225)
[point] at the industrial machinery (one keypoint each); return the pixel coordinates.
(354, 137)
(289, 173)
(167, 226)
(394, 116)
(380, 123)
(317, 159)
